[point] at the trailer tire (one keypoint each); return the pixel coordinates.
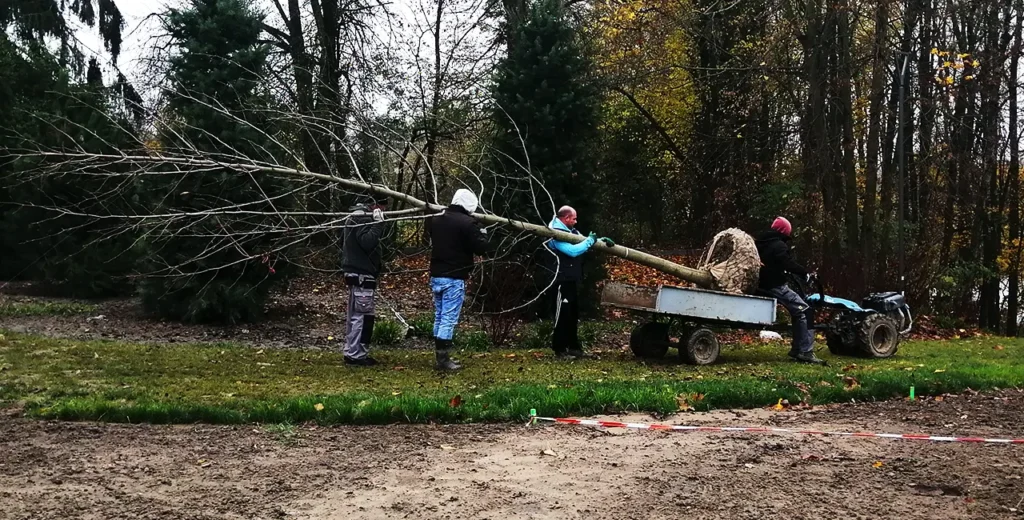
(650, 340)
(877, 336)
(700, 347)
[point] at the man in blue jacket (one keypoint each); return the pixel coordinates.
(566, 264)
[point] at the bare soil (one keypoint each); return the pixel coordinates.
(84, 470)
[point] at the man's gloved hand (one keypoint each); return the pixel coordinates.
(592, 237)
(378, 215)
(607, 241)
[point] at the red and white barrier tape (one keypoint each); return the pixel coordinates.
(672, 427)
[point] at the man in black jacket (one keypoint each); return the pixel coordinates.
(776, 261)
(361, 263)
(455, 237)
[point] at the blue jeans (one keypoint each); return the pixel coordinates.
(449, 293)
(803, 338)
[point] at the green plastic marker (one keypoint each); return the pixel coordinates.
(911, 393)
(533, 415)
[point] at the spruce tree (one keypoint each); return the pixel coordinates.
(546, 114)
(217, 268)
(545, 96)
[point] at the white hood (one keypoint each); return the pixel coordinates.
(466, 199)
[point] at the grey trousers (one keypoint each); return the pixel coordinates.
(803, 337)
(358, 322)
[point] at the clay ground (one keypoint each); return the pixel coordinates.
(78, 470)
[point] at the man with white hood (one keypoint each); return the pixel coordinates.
(455, 237)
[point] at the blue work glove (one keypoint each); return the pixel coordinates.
(607, 241)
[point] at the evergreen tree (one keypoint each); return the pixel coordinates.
(42, 229)
(546, 117)
(217, 268)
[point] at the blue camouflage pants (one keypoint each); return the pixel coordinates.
(449, 293)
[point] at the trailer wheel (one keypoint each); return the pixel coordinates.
(700, 347)
(650, 340)
(877, 336)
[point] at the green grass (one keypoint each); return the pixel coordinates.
(114, 381)
(13, 309)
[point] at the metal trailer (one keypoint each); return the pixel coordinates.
(696, 309)
(873, 330)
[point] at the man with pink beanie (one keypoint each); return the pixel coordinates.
(777, 260)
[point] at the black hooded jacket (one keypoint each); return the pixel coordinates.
(360, 249)
(773, 248)
(455, 237)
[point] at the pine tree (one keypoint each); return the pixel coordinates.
(217, 268)
(545, 96)
(546, 117)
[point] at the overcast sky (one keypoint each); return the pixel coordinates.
(137, 32)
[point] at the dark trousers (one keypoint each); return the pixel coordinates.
(567, 317)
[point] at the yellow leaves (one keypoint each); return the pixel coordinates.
(318, 407)
(949, 80)
(975, 63)
(877, 464)
(947, 64)
(935, 52)
(330, 338)
(968, 77)
(685, 402)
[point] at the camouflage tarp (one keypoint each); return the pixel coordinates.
(733, 262)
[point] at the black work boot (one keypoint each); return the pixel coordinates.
(361, 362)
(442, 353)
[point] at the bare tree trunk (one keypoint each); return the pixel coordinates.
(878, 73)
(845, 72)
(1013, 296)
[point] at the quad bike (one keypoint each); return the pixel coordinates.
(871, 329)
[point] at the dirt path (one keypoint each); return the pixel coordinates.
(73, 470)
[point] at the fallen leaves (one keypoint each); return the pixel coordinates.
(877, 464)
(850, 383)
(685, 402)
(318, 407)
(455, 402)
(998, 347)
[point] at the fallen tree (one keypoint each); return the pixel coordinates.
(700, 277)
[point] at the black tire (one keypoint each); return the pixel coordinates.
(839, 337)
(650, 340)
(877, 336)
(837, 346)
(700, 347)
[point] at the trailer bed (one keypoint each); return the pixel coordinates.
(698, 305)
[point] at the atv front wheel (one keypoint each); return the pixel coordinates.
(877, 336)
(837, 346)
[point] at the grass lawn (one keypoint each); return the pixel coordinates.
(221, 383)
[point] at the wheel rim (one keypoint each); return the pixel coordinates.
(704, 348)
(882, 339)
